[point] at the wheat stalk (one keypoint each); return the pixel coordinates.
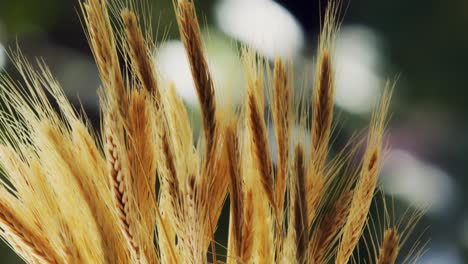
(144, 192)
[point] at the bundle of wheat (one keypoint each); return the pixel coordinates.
(144, 192)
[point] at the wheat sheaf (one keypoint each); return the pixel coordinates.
(142, 190)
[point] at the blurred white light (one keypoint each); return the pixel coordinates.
(2, 56)
(173, 64)
(358, 84)
(226, 68)
(421, 184)
(441, 254)
(223, 62)
(262, 24)
(299, 134)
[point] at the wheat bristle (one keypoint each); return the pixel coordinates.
(316, 186)
(65, 168)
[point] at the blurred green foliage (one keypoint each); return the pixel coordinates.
(427, 44)
(25, 16)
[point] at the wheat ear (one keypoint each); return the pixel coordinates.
(390, 247)
(300, 206)
(322, 115)
(190, 34)
(24, 240)
(140, 57)
(330, 227)
(142, 164)
(282, 120)
(323, 108)
(365, 187)
(119, 176)
(214, 180)
(104, 47)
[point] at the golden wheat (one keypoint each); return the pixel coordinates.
(144, 192)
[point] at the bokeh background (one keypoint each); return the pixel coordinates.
(423, 44)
